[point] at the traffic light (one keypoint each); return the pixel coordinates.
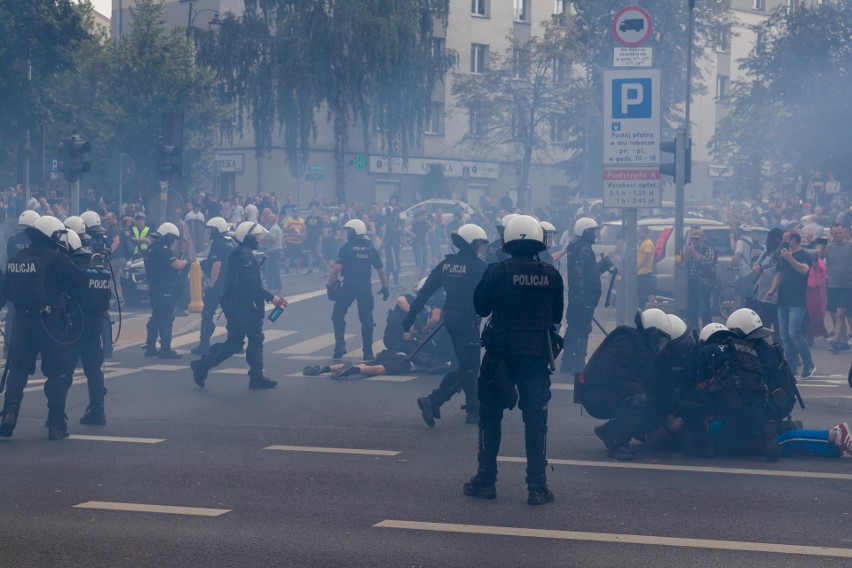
(72, 161)
(168, 161)
(670, 168)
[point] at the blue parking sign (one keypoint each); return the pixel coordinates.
(632, 98)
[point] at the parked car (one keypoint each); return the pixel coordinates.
(448, 206)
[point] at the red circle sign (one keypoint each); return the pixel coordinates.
(631, 26)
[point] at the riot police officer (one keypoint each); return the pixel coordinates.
(354, 262)
(494, 251)
(163, 269)
(99, 245)
(213, 266)
(93, 298)
(37, 281)
(524, 298)
(584, 292)
(16, 243)
(459, 274)
(614, 384)
(243, 300)
(549, 239)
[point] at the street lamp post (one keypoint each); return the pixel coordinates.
(192, 14)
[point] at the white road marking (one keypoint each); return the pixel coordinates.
(733, 545)
(231, 371)
(146, 508)
(561, 387)
(194, 337)
(689, 468)
(321, 450)
(311, 345)
(117, 439)
(165, 367)
(309, 358)
(392, 378)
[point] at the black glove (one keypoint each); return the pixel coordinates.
(407, 323)
(385, 293)
(332, 291)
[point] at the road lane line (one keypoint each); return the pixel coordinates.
(689, 468)
(164, 367)
(116, 439)
(733, 545)
(146, 508)
(230, 371)
(317, 449)
(391, 378)
(194, 337)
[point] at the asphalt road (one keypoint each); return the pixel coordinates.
(345, 473)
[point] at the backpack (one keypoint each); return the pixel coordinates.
(781, 384)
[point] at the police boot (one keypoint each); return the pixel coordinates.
(481, 485)
(429, 411)
(538, 492)
(367, 341)
(95, 414)
(339, 339)
(617, 447)
(772, 449)
(166, 351)
(151, 339)
(261, 382)
(535, 441)
(57, 426)
(8, 419)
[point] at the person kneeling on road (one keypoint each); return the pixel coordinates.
(243, 303)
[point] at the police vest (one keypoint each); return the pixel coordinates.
(137, 234)
(356, 257)
(457, 277)
(736, 359)
(527, 303)
(95, 294)
(27, 274)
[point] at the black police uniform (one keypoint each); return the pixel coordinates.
(458, 274)
(524, 298)
(163, 288)
(584, 292)
(393, 337)
(357, 257)
(613, 387)
(94, 299)
(731, 370)
(16, 243)
(433, 356)
(99, 245)
(243, 301)
(221, 248)
(38, 280)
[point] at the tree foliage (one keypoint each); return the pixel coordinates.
(366, 62)
(527, 99)
(792, 113)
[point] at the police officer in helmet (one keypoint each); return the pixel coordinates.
(584, 292)
(94, 300)
(524, 297)
(213, 266)
(459, 274)
(243, 301)
(99, 244)
(16, 243)
(37, 281)
(355, 261)
(494, 252)
(163, 270)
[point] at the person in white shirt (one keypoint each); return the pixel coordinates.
(237, 211)
(195, 214)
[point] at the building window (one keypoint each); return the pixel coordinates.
(476, 126)
(792, 6)
(558, 128)
(723, 85)
(724, 44)
(522, 11)
(559, 7)
(759, 42)
(435, 125)
(479, 8)
(518, 63)
(439, 46)
(760, 4)
(478, 58)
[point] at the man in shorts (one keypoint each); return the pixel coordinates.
(385, 363)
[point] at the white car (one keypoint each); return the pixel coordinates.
(447, 206)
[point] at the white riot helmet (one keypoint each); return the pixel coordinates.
(710, 330)
(469, 236)
(48, 226)
(678, 326)
(504, 222)
(583, 224)
(549, 233)
(28, 218)
(654, 323)
(419, 286)
(747, 324)
(167, 229)
(683, 340)
(356, 227)
(218, 224)
(76, 224)
(248, 229)
(70, 240)
(523, 235)
(93, 222)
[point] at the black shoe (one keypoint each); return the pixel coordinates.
(338, 353)
(262, 383)
(348, 370)
(477, 488)
(368, 356)
(539, 495)
(151, 352)
(94, 416)
(58, 431)
(621, 453)
(199, 350)
(199, 373)
(8, 422)
(428, 411)
(312, 370)
(170, 354)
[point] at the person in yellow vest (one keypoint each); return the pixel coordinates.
(139, 234)
(645, 268)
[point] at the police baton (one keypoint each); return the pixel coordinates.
(614, 272)
(424, 342)
(597, 323)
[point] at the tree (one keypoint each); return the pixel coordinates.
(38, 38)
(792, 114)
(527, 99)
(369, 63)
